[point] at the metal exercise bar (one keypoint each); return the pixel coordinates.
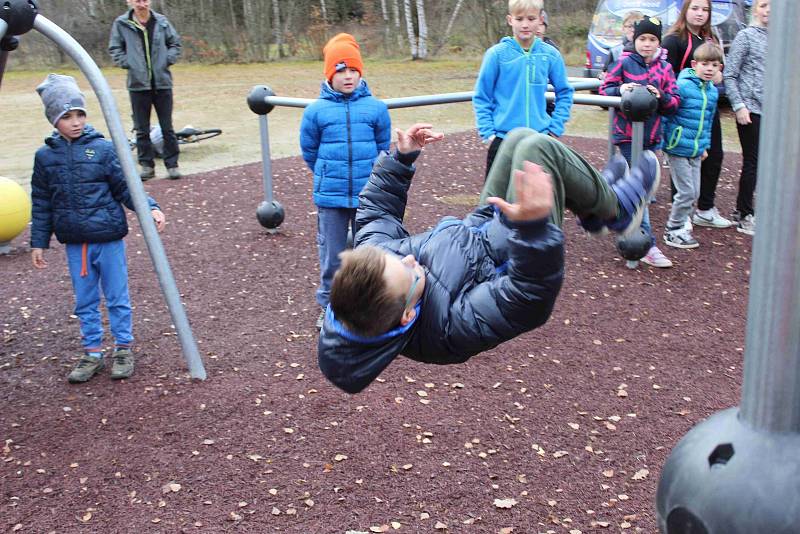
(101, 88)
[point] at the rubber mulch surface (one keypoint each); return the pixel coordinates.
(564, 429)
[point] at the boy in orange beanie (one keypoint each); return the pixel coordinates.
(341, 135)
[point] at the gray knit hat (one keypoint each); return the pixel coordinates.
(60, 94)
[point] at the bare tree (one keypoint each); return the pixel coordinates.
(324, 10)
(422, 46)
(449, 29)
(412, 38)
(276, 27)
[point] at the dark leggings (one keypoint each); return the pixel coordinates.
(748, 137)
(710, 168)
(493, 147)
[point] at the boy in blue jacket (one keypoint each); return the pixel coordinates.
(468, 285)
(511, 85)
(341, 134)
(688, 136)
(77, 191)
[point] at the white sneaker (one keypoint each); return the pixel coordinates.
(747, 225)
(656, 258)
(710, 218)
(680, 238)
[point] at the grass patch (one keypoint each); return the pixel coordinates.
(213, 96)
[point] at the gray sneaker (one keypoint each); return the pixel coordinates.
(173, 173)
(747, 225)
(123, 364)
(147, 173)
(86, 368)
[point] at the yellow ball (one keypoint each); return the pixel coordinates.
(15, 209)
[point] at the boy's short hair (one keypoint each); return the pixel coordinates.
(360, 297)
(709, 52)
(516, 6)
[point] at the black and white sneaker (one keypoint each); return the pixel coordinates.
(680, 238)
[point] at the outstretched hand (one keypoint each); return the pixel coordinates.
(534, 195)
(416, 137)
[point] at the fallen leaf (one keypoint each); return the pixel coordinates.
(382, 528)
(340, 457)
(559, 454)
(171, 487)
(505, 503)
(641, 474)
(608, 473)
(440, 526)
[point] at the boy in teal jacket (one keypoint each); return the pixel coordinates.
(511, 85)
(688, 136)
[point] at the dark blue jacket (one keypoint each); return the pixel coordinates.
(488, 280)
(77, 191)
(688, 133)
(340, 136)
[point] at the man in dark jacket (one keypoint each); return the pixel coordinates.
(145, 44)
(466, 285)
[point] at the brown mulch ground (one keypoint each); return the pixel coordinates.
(572, 421)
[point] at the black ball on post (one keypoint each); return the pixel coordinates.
(270, 214)
(18, 15)
(255, 99)
(639, 104)
(635, 245)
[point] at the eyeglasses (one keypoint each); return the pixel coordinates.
(415, 278)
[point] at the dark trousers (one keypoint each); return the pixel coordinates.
(748, 137)
(710, 168)
(493, 146)
(141, 103)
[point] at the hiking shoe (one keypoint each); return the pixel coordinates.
(173, 173)
(147, 172)
(123, 364)
(656, 258)
(321, 319)
(680, 238)
(86, 368)
(747, 225)
(633, 192)
(616, 169)
(710, 218)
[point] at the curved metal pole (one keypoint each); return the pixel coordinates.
(771, 386)
(138, 195)
(3, 55)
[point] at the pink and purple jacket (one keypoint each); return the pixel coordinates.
(631, 68)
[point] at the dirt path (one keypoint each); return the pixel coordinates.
(567, 426)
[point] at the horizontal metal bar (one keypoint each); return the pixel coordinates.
(445, 98)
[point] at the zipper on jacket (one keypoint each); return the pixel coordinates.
(143, 29)
(349, 156)
(702, 119)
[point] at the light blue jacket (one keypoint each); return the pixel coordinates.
(688, 133)
(509, 91)
(340, 136)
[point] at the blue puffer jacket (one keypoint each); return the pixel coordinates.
(688, 133)
(509, 91)
(341, 135)
(77, 191)
(487, 280)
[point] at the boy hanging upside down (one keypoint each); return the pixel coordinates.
(468, 285)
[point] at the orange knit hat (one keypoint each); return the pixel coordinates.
(341, 52)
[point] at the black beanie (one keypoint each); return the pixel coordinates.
(648, 25)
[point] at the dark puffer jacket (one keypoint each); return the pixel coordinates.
(488, 280)
(77, 191)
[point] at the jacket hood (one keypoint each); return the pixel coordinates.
(691, 74)
(351, 361)
(328, 93)
(89, 134)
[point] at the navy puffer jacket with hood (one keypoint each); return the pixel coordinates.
(488, 280)
(77, 191)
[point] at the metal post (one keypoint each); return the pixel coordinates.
(138, 195)
(612, 149)
(266, 158)
(737, 472)
(771, 388)
(637, 142)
